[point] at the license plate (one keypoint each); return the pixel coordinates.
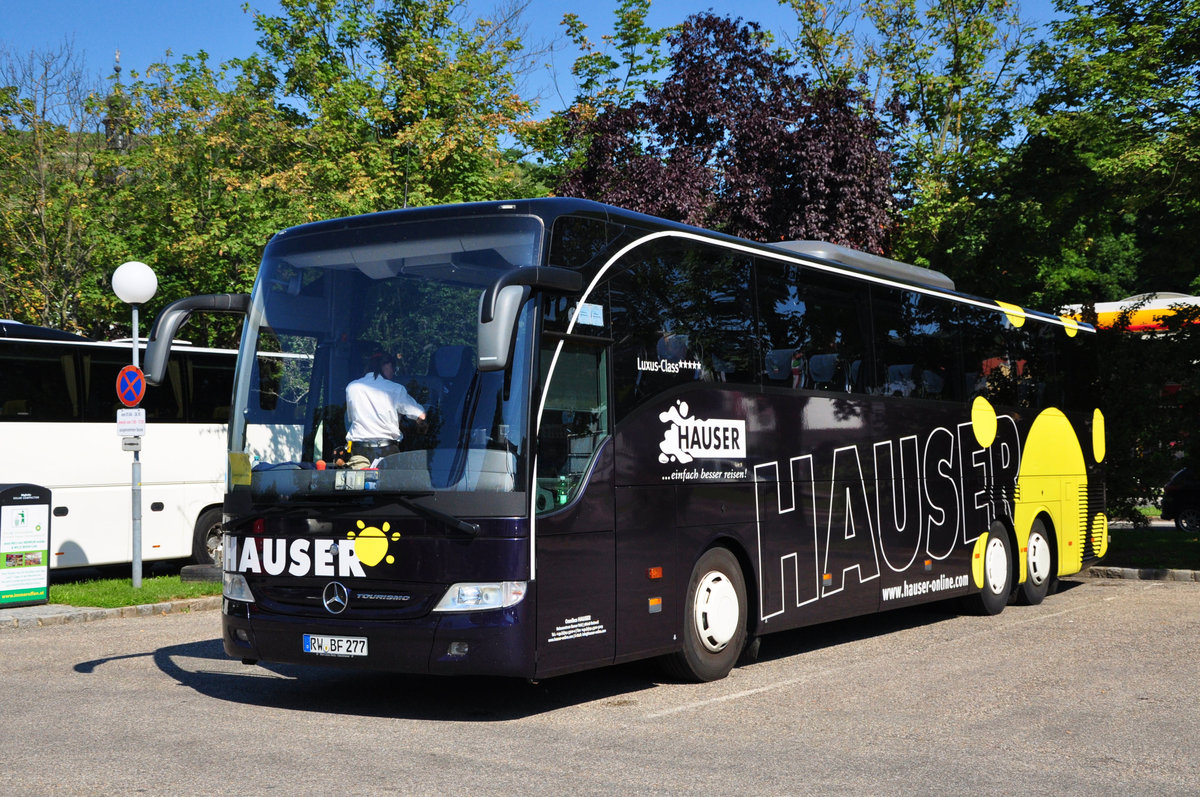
(335, 645)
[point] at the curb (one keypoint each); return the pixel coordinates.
(61, 614)
(1143, 573)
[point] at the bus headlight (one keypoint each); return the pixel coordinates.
(235, 588)
(474, 597)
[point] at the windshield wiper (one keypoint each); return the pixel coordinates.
(311, 503)
(458, 524)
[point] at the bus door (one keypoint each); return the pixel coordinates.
(573, 506)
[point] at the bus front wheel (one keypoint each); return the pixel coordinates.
(997, 573)
(207, 540)
(714, 622)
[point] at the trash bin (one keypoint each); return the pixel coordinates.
(24, 545)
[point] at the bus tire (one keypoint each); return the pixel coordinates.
(1039, 569)
(207, 538)
(997, 573)
(714, 621)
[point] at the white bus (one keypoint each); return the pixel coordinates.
(58, 405)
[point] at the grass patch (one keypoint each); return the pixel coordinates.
(1159, 547)
(110, 593)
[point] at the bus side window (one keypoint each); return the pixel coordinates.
(1047, 388)
(812, 329)
(916, 345)
(574, 422)
(38, 384)
(162, 403)
(576, 240)
(680, 313)
(210, 386)
(994, 358)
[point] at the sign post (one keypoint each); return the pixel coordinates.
(135, 284)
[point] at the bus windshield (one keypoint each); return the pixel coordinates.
(330, 303)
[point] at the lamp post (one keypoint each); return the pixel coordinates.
(135, 283)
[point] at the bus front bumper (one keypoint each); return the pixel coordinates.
(492, 642)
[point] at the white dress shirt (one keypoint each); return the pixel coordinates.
(374, 406)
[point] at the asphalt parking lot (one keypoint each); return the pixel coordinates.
(1094, 691)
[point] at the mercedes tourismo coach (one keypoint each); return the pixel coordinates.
(642, 439)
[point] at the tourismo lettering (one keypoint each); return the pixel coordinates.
(298, 557)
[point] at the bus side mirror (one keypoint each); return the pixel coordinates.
(171, 318)
(495, 338)
(501, 302)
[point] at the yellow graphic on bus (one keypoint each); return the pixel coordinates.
(371, 546)
(1016, 316)
(1052, 480)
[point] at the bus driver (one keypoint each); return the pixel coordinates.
(374, 404)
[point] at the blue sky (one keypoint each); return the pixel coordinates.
(143, 30)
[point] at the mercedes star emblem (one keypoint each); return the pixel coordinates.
(336, 597)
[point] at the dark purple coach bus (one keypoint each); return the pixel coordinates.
(642, 439)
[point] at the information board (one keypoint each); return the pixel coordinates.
(24, 544)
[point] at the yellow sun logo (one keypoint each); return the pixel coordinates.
(371, 544)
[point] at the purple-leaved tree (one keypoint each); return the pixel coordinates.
(735, 139)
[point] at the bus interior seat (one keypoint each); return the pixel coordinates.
(450, 362)
(822, 370)
(414, 464)
(779, 365)
(476, 469)
(932, 384)
(15, 407)
(489, 471)
(450, 370)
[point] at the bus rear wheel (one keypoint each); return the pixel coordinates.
(1039, 570)
(207, 538)
(714, 622)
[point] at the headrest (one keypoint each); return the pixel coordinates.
(450, 361)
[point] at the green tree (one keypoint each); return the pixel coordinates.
(1119, 109)
(404, 105)
(734, 140)
(351, 108)
(48, 142)
(1098, 201)
(611, 74)
(948, 76)
(208, 175)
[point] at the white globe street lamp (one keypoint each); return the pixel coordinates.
(135, 283)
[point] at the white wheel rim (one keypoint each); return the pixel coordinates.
(1039, 558)
(995, 566)
(716, 611)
